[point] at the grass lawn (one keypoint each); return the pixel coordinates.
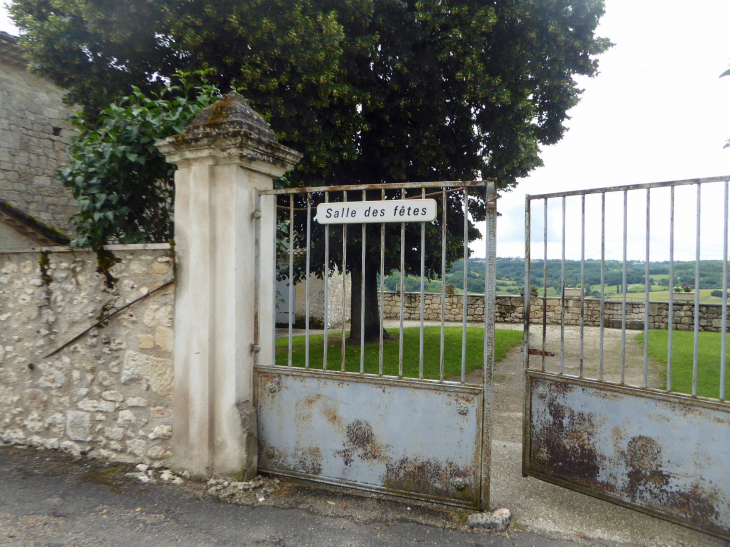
(708, 367)
(504, 339)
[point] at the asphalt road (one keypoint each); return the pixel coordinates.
(50, 499)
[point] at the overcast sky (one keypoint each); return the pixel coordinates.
(657, 111)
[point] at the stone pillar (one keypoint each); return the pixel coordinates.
(223, 157)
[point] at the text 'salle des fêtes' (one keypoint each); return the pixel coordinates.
(360, 212)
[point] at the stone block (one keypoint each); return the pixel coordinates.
(156, 372)
(78, 425)
(137, 447)
(145, 341)
(498, 520)
(137, 402)
(95, 405)
(115, 433)
(160, 432)
(158, 453)
(164, 338)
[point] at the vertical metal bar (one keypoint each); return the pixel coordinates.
(562, 300)
(647, 288)
(526, 346)
(623, 300)
(257, 275)
(362, 298)
(344, 288)
(326, 284)
(291, 274)
(544, 283)
(465, 299)
(402, 288)
(306, 282)
(526, 304)
(382, 291)
(423, 274)
(723, 342)
(273, 281)
(582, 278)
(670, 318)
(603, 286)
(443, 282)
(488, 366)
(695, 357)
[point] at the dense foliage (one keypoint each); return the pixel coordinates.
(120, 179)
(370, 91)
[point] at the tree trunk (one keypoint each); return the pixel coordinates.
(372, 296)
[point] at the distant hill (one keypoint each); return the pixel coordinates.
(511, 271)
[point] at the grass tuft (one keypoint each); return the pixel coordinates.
(708, 361)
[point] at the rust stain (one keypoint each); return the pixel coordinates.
(562, 445)
(430, 477)
(360, 442)
(697, 505)
(466, 399)
(608, 395)
(360, 434)
(651, 485)
(330, 414)
(643, 460)
(308, 460)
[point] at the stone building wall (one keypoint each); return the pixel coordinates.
(510, 309)
(108, 393)
(316, 300)
(34, 135)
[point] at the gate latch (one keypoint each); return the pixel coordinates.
(533, 351)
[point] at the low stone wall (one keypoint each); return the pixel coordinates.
(510, 309)
(107, 393)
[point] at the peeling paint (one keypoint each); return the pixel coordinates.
(381, 434)
(657, 454)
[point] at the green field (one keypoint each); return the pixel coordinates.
(708, 368)
(663, 296)
(504, 339)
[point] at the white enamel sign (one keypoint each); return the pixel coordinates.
(361, 212)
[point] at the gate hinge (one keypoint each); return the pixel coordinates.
(255, 348)
(256, 215)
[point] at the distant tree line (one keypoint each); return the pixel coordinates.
(513, 270)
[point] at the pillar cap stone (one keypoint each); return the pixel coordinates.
(231, 130)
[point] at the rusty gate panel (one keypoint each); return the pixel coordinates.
(664, 454)
(417, 438)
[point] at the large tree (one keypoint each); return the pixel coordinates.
(371, 91)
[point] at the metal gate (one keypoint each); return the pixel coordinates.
(364, 416)
(586, 427)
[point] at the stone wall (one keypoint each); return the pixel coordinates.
(510, 309)
(34, 135)
(109, 392)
